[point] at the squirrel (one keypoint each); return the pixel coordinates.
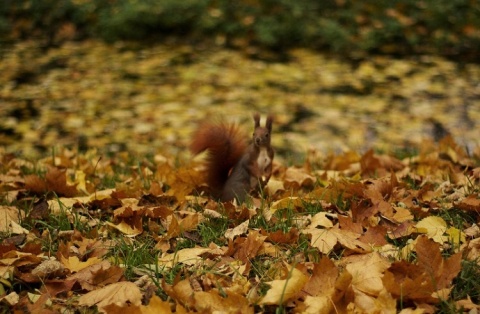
(234, 169)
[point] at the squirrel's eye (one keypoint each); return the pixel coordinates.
(267, 134)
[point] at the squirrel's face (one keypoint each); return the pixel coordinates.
(261, 137)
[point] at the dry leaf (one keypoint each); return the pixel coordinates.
(434, 227)
(283, 290)
(9, 219)
(120, 293)
(238, 230)
(75, 265)
(186, 256)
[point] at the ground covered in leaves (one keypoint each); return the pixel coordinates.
(117, 217)
(148, 99)
(341, 233)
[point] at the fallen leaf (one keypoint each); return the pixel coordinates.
(74, 264)
(282, 291)
(238, 230)
(120, 293)
(188, 256)
(367, 272)
(434, 227)
(49, 268)
(296, 178)
(250, 247)
(98, 275)
(9, 219)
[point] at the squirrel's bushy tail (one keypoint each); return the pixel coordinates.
(225, 144)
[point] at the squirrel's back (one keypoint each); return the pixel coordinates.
(225, 144)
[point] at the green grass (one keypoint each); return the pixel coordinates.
(467, 282)
(213, 230)
(133, 253)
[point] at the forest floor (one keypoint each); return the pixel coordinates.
(373, 204)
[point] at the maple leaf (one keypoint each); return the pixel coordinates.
(74, 264)
(250, 247)
(55, 181)
(434, 227)
(322, 280)
(189, 256)
(283, 290)
(326, 239)
(424, 281)
(120, 293)
(98, 275)
(367, 272)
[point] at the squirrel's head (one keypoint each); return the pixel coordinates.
(261, 135)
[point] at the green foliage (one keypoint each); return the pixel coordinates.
(135, 19)
(445, 27)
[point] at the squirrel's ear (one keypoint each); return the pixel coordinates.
(269, 122)
(256, 118)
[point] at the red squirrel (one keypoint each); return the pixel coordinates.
(233, 168)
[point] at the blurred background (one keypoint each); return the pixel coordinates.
(138, 75)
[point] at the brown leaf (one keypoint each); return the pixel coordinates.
(249, 249)
(40, 210)
(55, 181)
(322, 281)
(98, 275)
(430, 258)
(55, 287)
(471, 203)
(279, 236)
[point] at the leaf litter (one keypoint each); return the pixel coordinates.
(352, 231)
(390, 239)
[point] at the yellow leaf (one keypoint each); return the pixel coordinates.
(434, 227)
(156, 305)
(367, 272)
(323, 239)
(273, 186)
(321, 219)
(186, 256)
(80, 181)
(318, 305)
(285, 203)
(296, 178)
(120, 293)
(283, 290)
(456, 236)
(75, 265)
(125, 228)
